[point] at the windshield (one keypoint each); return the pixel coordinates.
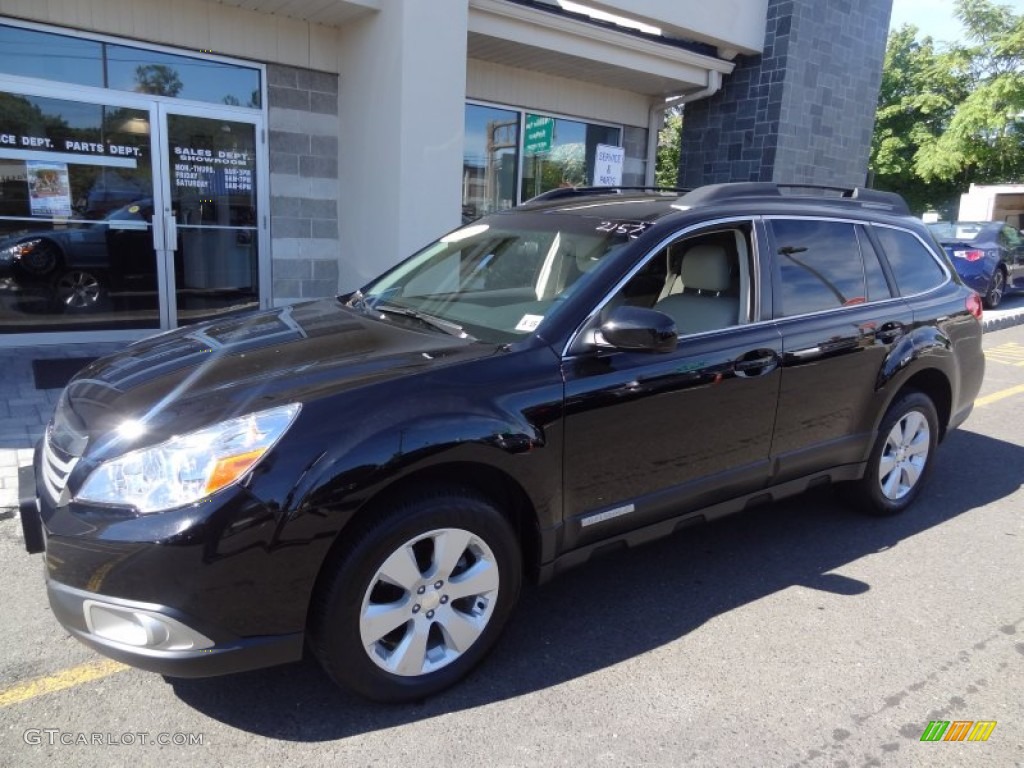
(959, 231)
(500, 277)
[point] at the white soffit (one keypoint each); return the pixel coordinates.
(331, 13)
(527, 38)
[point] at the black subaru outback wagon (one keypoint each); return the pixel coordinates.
(373, 475)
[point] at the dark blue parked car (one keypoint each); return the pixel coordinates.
(988, 256)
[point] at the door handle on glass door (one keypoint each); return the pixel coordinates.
(171, 231)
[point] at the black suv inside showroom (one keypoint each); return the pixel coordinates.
(373, 476)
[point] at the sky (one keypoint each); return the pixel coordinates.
(935, 17)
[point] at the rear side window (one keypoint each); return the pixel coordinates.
(1008, 237)
(913, 266)
(819, 266)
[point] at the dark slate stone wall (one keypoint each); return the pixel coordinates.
(804, 110)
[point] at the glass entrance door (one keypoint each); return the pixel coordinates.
(212, 212)
(79, 246)
(126, 214)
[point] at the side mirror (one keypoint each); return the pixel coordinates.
(636, 329)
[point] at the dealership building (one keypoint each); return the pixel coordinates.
(163, 163)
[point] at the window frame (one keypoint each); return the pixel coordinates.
(522, 111)
(884, 258)
(867, 224)
(31, 82)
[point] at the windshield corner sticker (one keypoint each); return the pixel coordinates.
(529, 322)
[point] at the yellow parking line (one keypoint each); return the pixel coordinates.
(997, 396)
(68, 678)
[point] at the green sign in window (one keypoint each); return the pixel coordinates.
(539, 133)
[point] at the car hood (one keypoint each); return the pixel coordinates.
(186, 379)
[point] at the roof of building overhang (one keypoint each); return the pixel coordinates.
(330, 13)
(530, 36)
(525, 37)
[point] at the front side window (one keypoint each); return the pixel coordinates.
(913, 266)
(819, 266)
(497, 279)
(702, 281)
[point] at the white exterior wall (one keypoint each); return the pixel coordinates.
(730, 24)
(193, 25)
(522, 88)
(402, 104)
(404, 79)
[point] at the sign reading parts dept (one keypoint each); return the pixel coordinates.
(608, 162)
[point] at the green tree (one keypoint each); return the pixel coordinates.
(984, 139)
(947, 118)
(666, 168)
(158, 79)
(918, 97)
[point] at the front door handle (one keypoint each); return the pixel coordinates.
(756, 363)
(171, 231)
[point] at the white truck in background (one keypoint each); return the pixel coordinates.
(993, 202)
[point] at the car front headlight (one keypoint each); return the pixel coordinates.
(16, 251)
(188, 468)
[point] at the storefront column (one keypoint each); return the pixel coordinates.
(403, 86)
(803, 112)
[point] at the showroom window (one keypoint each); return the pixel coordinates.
(490, 160)
(66, 59)
(564, 153)
(510, 156)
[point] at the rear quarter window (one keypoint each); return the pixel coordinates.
(913, 266)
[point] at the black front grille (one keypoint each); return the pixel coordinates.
(57, 466)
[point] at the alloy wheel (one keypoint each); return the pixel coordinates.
(429, 602)
(995, 292)
(904, 456)
(78, 289)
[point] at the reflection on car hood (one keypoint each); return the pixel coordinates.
(186, 379)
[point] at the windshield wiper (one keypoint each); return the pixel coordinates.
(439, 323)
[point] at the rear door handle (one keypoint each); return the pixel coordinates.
(889, 332)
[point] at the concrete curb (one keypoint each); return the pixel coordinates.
(1002, 321)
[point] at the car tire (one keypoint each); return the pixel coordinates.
(901, 458)
(418, 598)
(996, 289)
(42, 260)
(79, 290)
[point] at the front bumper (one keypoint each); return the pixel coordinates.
(77, 609)
(28, 509)
(148, 635)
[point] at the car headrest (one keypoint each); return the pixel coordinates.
(706, 268)
(586, 260)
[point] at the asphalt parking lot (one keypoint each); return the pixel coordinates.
(799, 634)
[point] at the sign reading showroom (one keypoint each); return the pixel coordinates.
(197, 168)
(608, 161)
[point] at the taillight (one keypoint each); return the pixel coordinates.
(974, 305)
(972, 255)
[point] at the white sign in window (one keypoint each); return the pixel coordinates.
(608, 161)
